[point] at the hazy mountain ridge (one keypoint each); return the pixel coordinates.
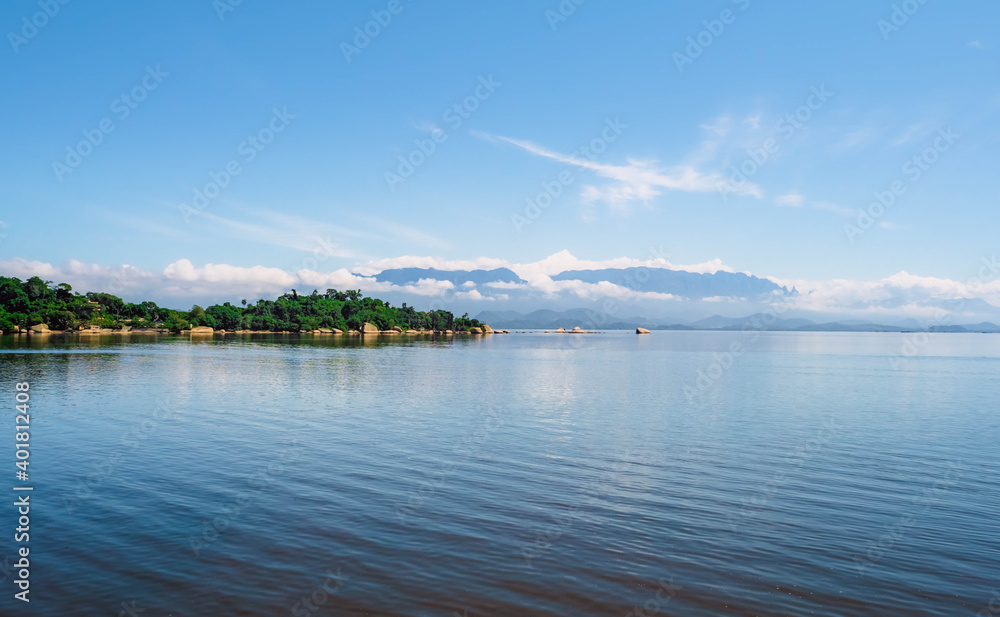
(679, 282)
(409, 276)
(591, 319)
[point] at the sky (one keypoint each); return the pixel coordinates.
(205, 142)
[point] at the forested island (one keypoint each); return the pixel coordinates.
(24, 304)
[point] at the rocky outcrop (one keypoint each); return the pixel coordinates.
(641, 331)
(412, 332)
(336, 331)
(487, 329)
(202, 330)
(561, 331)
(578, 330)
(369, 329)
(40, 329)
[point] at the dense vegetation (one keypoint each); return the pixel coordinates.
(34, 301)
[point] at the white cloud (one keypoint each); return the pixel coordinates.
(909, 134)
(638, 180)
(286, 231)
(412, 261)
(790, 199)
(977, 44)
(855, 140)
(902, 294)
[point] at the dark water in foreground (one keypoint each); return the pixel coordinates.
(509, 475)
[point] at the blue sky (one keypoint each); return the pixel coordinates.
(534, 81)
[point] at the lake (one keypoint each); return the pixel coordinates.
(676, 473)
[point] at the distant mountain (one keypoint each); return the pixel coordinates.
(595, 320)
(679, 282)
(718, 322)
(539, 320)
(407, 276)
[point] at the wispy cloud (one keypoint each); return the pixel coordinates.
(638, 180)
(411, 234)
(899, 295)
(790, 199)
(855, 139)
(287, 231)
(977, 44)
(832, 207)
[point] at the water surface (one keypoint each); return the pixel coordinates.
(523, 474)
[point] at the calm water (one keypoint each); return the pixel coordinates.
(814, 474)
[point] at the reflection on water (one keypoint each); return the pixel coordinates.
(531, 474)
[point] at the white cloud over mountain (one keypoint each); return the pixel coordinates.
(182, 282)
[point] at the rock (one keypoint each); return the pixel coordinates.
(397, 329)
(412, 332)
(561, 330)
(506, 331)
(40, 328)
(641, 331)
(202, 330)
(448, 332)
(369, 329)
(389, 332)
(336, 331)
(578, 330)
(487, 329)
(353, 332)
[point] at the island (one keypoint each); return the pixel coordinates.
(36, 306)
